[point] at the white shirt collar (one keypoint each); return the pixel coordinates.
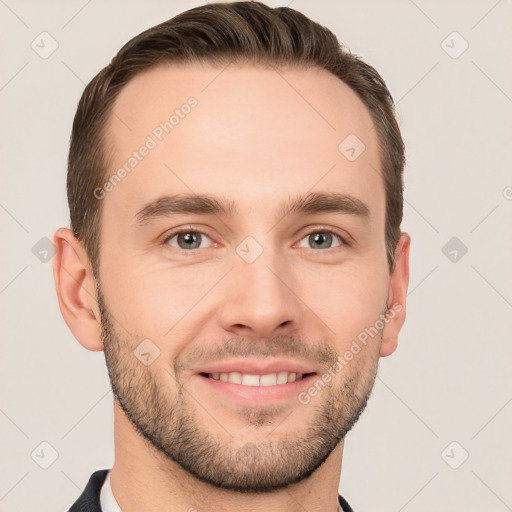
(107, 501)
(109, 504)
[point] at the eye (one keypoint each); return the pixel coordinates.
(186, 239)
(322, 239)
(190, 240)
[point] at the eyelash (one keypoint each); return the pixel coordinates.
(171, 235)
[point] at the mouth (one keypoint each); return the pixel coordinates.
(254, 379)
(255, 386)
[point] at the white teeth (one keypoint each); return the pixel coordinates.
(249, 379)
(282, 377)
(268, 380)
(235, 377)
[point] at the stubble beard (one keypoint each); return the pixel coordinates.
(163, 411)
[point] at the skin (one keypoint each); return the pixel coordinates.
(255, 140)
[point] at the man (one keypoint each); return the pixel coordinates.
(235, 191)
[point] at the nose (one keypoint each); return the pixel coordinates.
(260, 300)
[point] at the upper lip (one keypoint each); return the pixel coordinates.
(257, 367)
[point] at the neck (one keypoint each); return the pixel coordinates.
(144, 479)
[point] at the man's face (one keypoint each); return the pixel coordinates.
(257, 292)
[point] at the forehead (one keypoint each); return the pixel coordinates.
(248, 132)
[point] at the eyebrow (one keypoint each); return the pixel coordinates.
(204, 204)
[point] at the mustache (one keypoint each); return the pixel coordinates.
(279, 346)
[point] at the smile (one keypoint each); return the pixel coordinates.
(248, 379)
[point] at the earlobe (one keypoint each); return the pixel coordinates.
(397, 296)
(76, 289)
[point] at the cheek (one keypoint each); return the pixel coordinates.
(147, 306)
(157, 301)
(347, 299)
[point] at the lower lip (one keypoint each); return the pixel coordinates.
(258, 394)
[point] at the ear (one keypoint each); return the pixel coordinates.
(397, 295)
(76, 289)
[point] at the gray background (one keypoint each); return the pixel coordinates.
(449, 380)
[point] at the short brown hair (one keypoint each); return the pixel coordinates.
(220, 33)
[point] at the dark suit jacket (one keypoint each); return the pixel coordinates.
(89, 501)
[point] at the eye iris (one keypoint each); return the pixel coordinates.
(190, 239)
(324, 239)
